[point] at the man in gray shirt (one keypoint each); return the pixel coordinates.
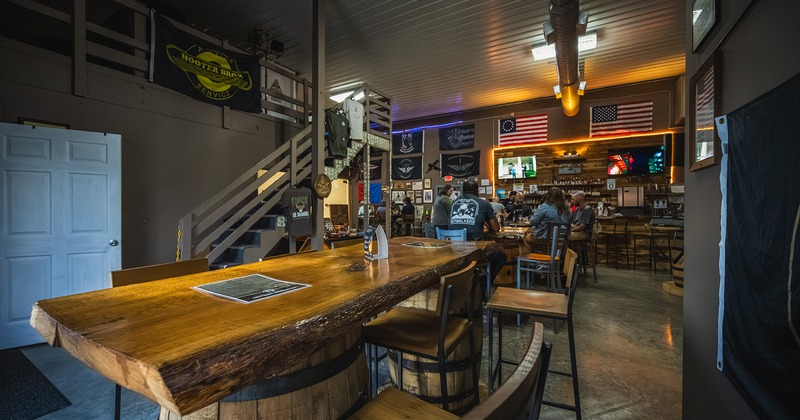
(582, 219)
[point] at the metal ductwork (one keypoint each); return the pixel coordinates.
(566, 23)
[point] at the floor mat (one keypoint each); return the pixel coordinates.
(25, 393)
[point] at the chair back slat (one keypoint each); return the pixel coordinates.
(451, 234)
(157, 272)
(457, 293)
(570, 263)
(520, 396)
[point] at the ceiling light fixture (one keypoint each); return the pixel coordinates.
(585, 43)
(340, 97)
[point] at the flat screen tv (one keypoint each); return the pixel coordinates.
(636, 161)
(516, 167)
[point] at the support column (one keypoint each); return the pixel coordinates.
(318, 122)
(79, 50)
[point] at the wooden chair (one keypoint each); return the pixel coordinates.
(519, 397)
(150, 273)
(451, 234)
(157, 272)
(545, 263)
(408, 224)
(653, 251)
(617, 237)
(431, 334)
(555, 306)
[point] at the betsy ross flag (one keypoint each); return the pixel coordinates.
(523, 130)
(621, 119)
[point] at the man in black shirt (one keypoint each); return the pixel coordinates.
(472, 213)
(517, 210)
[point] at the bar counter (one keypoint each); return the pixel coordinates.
(185, 349)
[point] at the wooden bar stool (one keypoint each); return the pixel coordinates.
(616, 238)
(519, 397)
(555, 306)
(435, 334)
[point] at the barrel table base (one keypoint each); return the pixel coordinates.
(332, 383)
(421, 375)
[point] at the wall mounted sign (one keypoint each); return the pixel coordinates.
(704, 16)
(704, 105)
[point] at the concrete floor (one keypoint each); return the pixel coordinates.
(629, 340)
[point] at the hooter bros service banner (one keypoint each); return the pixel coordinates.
(202, 70)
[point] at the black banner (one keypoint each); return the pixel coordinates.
(375, 170)
(457, 138)
(461, 165)
(761, 305)
(407, 143)
(202, 70)
(407, 168)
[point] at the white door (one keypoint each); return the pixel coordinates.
(60, 214)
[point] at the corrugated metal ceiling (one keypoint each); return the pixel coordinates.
(442, 56)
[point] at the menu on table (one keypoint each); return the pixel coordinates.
(250, 288)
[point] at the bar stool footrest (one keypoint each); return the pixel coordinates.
(560, 405)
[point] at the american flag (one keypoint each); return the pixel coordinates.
(523, 130)
(621, 119)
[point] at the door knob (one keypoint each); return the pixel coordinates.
(113, 242)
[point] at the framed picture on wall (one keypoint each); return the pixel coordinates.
(417, 185)
(704, 16)
(427, 183)
(398, 196)
(418, 200)
(399, 185)
(427, 196)
(704, 103)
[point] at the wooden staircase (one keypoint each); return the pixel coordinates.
(242, 222)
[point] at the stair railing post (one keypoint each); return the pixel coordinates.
(185, 238)
(318, 123)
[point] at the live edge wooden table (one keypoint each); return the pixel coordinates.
(187, 350)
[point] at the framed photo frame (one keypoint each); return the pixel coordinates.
(408, 185)
(417, 185)
(418, 200)
(704, 17)
(704, 105)
(399, 185)
(418, 193)
(427, 196)
(398, 196)
(427, 183)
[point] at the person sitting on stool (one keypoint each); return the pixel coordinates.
(582, 219)
(472, 213)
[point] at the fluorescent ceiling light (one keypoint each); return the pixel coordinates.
(585, 43)
(340, 97)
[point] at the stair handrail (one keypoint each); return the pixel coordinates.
(292, 158)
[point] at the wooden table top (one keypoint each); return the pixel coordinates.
(185, 349)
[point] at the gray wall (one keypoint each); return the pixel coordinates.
(757, 56)
(175, 153)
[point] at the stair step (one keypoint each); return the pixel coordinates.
(267, 222)
(250, 237)
(223, 264)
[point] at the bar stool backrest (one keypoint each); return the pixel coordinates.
(620, 225)
(451, 234)
(557, 235)
(457, 294)
(157, 272)
(520, 397)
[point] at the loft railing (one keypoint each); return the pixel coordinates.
(120, 45)
(283, 168)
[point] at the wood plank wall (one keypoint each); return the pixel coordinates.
(593, 176)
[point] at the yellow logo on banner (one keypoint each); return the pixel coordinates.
(212, 73)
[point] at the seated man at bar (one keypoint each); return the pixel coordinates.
(582, 218)
(517, 210)
(473, 213)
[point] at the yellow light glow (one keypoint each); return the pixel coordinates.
(583, 140)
